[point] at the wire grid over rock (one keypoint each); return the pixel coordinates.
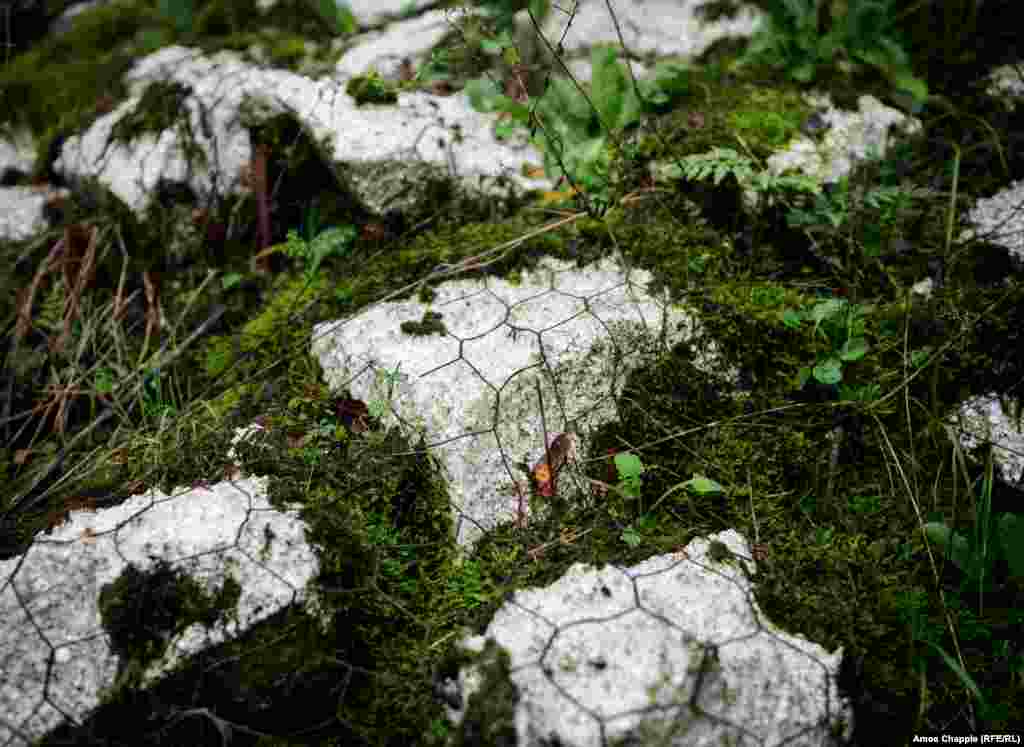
(563, 340)
(671, 651)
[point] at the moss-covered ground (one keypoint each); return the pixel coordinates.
(830, 483)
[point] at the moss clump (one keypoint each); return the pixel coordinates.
(143, 610)
(431, 324)
(490, 711)
(371, 89)
(221, 352)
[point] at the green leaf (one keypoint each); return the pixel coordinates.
(630, 536)
(853, 350)
(563, 102)
(829, 371)
(628, 465)
(703, 486)
(612, 91)
(483, 94)
(965, 678)
(791, 318)
(825, 309)
(803, 73)
(915, 87)
(952, 543)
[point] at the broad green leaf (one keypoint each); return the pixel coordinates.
(829, 371)
(853, 350)
(483, 94)
(824, 309)
(564, 102)
(628, 465)
(630, 536)
(703, 485)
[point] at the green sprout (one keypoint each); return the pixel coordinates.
(630, 468)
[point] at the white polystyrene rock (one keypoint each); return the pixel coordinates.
(386, 50)
(655, 27)
(999, 219)
(622, 653)
(49, 597)
(451, 399)
(851, 137)
(990, 419)
(388, 150)
(21, 212)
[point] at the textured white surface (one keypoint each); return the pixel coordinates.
(851, 137)
(992, 420)
(622, 648)
(386, 50)
(662, 27)
(417, 131)
(452, 395)
(1000, 219)
(21, 212)
(49, 596)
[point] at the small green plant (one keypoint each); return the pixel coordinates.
(912, 610)
(630, 469)
(877, 215)
(104, 381)
(571, 128)
(468, 584)
(634, 532)
(862, 393)
(153, 403)
(230, 280)
(842, 324)
(702, 485)
(828, 213)
(992, 539)
(333, 241)
(371, 89)
(388, 379)
(721, 163)
(863, 33)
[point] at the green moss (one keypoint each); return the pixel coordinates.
(719, 552)
(262, 333)
(161, 108)
(143, 611)
(371, 89)
(490, 711)
(375, 505)
(431, 324)
(62, 78)
(288, 51)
